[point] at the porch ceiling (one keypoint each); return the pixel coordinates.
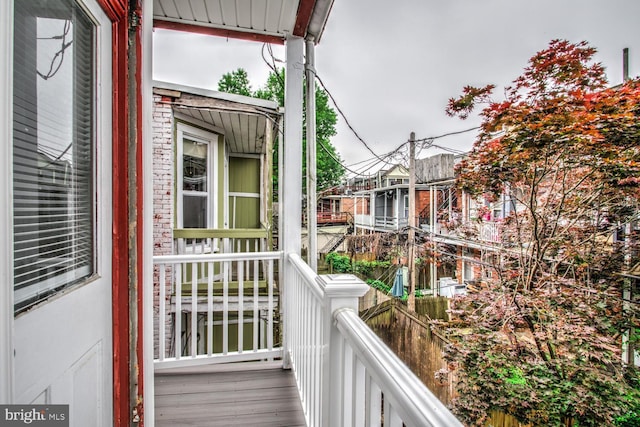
(243, 120)
(260, 20)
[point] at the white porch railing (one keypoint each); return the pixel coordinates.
(213, 308)
(346, 375)
(380, 222)
(211, 240)
(489, 231)
(363, 220)
(390, 222)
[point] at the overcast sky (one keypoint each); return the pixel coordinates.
(392, 66)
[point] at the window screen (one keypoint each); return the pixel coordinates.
(53, 149)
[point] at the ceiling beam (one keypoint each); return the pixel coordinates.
(218, 32)
(303, 17)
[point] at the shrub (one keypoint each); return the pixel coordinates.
(339, 263)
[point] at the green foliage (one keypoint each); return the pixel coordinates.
(339, 263)
(541, 340)
(630, 419)
(365, 268)
(235, 82)
(329, 170)
(379, 285)
(383, 287)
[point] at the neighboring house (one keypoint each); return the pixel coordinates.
(335, 207)
(212, 188)
(385, 206)
(629, 236)
(212, 162)
(468, 226)
(335, 219)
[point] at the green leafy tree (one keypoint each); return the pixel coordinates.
(235, 82)
(542, 340)
(328, 163)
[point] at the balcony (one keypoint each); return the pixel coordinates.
(381, 222)
(278, 343)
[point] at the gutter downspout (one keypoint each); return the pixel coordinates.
(312, 219)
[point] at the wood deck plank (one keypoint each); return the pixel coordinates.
(246, 397)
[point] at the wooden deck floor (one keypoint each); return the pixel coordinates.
(255, 394)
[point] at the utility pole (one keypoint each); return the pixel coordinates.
(625, 64)
(411, 303)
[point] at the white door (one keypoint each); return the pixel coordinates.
(60, 177)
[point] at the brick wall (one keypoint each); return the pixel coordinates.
(162, 176)
(162, 197)
(347, 205)
(422, 203)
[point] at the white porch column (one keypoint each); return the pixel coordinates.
(312, 219)
(6, 215)
(372, 209)
(290, 192)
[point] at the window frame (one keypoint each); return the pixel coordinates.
(184, 130)
(94, 201)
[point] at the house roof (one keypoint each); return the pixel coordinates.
(260, 20)
(243, 120)
(396, 170)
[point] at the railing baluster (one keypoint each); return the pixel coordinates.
(374, 399)
(177, 286)
(270, 306)
(225, 307)
(256, 314)
(162, 315)
(194, 309)
(210, 273)
(347, 385)
(359, 393)
(394, 418)
(304, 350)
(240, 306)
(318, 357)
(386, 413)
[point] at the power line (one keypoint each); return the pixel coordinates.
(447, 134)
(385, 158)
(347, 120)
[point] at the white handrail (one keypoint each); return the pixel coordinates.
(344, 372)
(410, 399)
(308, 276)
(241, 256)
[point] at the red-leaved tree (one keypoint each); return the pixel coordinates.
(542, 339)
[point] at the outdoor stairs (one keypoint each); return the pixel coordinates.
(337, 240)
